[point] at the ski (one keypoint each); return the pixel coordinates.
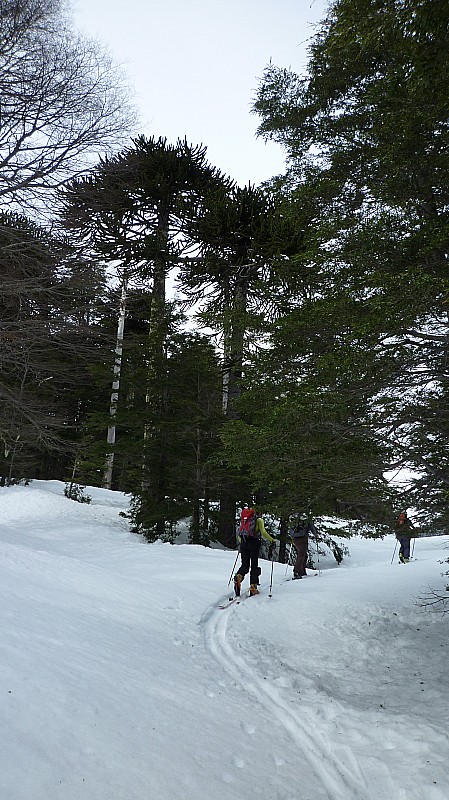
(309, 575)
(229, 602)
(236, 599)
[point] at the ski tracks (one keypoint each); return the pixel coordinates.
(340, 781)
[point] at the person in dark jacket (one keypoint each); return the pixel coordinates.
(404, 533)
(299, 534)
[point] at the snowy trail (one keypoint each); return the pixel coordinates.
(120, 678)
(341, 691)
(340, 781)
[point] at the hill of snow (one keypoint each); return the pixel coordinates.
(121, 679)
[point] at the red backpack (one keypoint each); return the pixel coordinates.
(248, 522)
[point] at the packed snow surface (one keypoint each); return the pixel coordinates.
(121, 679)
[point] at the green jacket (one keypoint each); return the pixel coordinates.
(260, 529)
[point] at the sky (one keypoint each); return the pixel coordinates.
(122, 679)
(195, 67)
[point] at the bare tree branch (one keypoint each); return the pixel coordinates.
(63, 102)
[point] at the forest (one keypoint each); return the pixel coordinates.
(198, 345)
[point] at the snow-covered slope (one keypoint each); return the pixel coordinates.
(120, 678)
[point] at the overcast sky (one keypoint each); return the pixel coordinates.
(195, 67)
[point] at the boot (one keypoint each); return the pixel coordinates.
(253, 589)
(237, 584)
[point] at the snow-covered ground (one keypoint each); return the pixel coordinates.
(120, 679)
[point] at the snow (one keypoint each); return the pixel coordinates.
(120, 679)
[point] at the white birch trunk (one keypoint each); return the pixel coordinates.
(107, 476)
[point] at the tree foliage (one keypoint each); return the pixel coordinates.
(131, 210)
(366, 133)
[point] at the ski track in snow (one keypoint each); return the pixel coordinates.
(339, 781)
(356, 747)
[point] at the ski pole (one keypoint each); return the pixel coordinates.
(413, 546)
(270, 594)
(233, 568)
(394, 552)
(318, 555)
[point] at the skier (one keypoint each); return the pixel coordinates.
(404, 532)
(299, 533)
(250, 534)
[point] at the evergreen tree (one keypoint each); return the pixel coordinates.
(366, 133)
(190, 422)
(131, 210)
(240, 233)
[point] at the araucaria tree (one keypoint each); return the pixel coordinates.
(131, 210)
(240, 233)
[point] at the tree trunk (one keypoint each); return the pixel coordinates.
(206, 511)
(154, 439)
(107, 476)
(283, 533)
(234, 338)
(226, 523)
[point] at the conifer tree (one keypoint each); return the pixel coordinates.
(131, 209)
(366, 135)
(238, 232)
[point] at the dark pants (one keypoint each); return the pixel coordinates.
(249, 552)
(404, 549)
(301, 544)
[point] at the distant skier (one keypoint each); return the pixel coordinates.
(404, 532)
(250, 532)
(299, 533)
